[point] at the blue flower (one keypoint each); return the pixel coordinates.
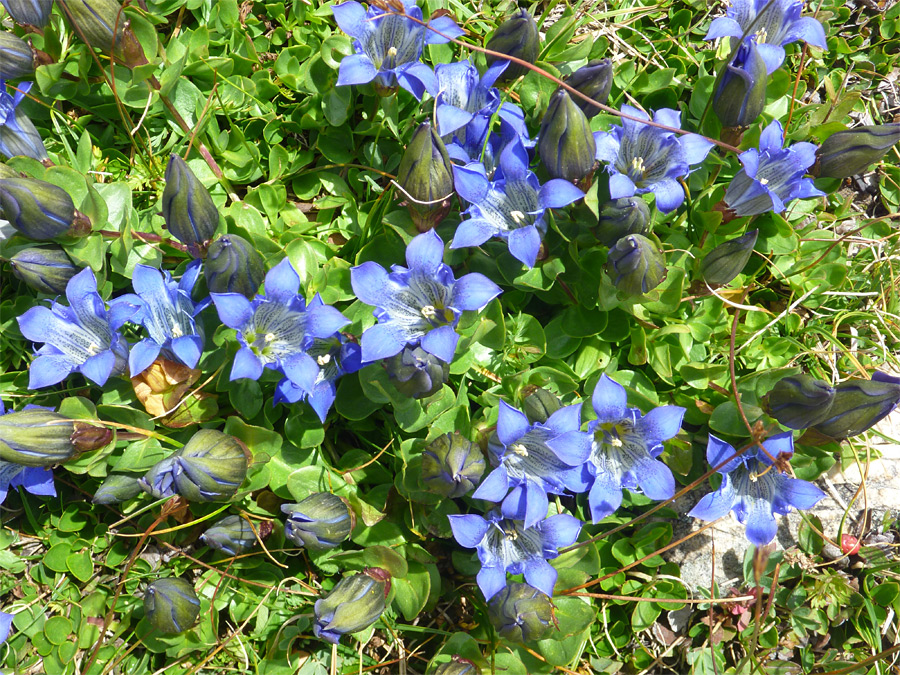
(17, 134)
(505, 545)
(641, 158)
(5, 623)
(512, 206)
(388, 46)
(334, 357)
(772, 175)
(276, 328)
(82, 337)
(167, 311)
(419, 305)
(526, 463)
(621, 447)
(755, 489)
(773, 27)
(35, 479)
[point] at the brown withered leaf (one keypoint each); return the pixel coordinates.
(163, 387)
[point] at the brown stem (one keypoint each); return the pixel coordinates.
(148, 238)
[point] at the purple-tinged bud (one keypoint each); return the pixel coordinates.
(721, 265)
(171, 605)
(518, 37)
(233, 265)
(36, 437)
(104, 26)
(621, 217)
(117, 488)
(566, 143)
(416, 373)
(539, 405)
(636, 265)
(29, 12)
(234, 534)
(850, 152)
(457, 666)
(521, 613)
(87, 437)
(187, 207)
(858, 405)
(46, 269)
(320, 522)
(452, 466)
(799, 401)
(740, 96)
(355, 603)
(594, 81)
(36, 208)
(426, 176)
(16, 57)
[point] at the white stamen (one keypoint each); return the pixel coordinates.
(392, 53)
(176, 330)
(519, 449)
(93, 348)
(324, 359)
(429, 312)
(754, 476)
(763, 181)
(269, 337)
(637, 164)
(517, 216)
(761, 36)
(616, 442)
(511, 534)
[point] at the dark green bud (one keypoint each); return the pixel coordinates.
(458, 666)
(539, 405)
(416, 373)
(850, 152)
(636, 265)
(518, 37)
(799, 401)
(319, 522)
(740, 97)
(234, 534)
(104, 25)
(355, 603)
(171, 605)
(426, 176)
(16, 57)
(189, 211)
(36, 437)
(36, 208)
(621, 217)
(452, 466)
(117, 488)
(233, 265)
(211, 466)
(521, 613)
(46, 269)
(566, 143)
(594, 81)
(722, 264)
(29, 12)
(858, 405)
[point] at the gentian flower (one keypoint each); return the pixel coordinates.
(526, 463)
(463, 95)
(641, 158)
(82, 337)
(18, 135)
(505, 545)
(388, 46)
(5, 623)
(772, 176)
(276, 328)
(512, 206)
(755, 489)
(622, 448)
(167, 311)
(35, 479)
(419, 305)
(770, 27)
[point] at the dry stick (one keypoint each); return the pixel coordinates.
(146, 237)
(709, 614)
(856, 666)
(671, 601)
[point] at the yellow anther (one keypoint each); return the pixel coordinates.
(176, 330)
(763, 181)
(519, 449)
(761, 36)
(93, 348)
(616, 442)
(512, 535)
(392, 53)
(429, 312)
(637, 164)
(754, 476)
(323, 359)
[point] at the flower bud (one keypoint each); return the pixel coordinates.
(18, 135)
(799, 401)
(104, 26)
(722, 264)
(740, 96)
(566, 143)
(36, 208)
(117, 488)
(426, 176)
(355, 603)
(16, 57)
(29, 12)
(171, 605)
(46, 269)
(621, 217)
(36, 437)
(458, 666)
(8, 171)
(416, 373)
(233, 265)
(521, 613)
(539, 405)
(87, 437)
(850, 152)
(518, 37)
(452, 466)
(593, 80)
(319, 522)
(212, 465)
(234, 534)
(636, 265)
(858, 405)
(189, 211)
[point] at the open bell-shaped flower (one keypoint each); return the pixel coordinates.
(233, 265)
(187, 207)
(355, 603)
(319, 522)
(851, 152)
(518, 37)
(36, 208)
(521, 613)
(566, 144)
(171, 605)
(46, 269)
(452, 466)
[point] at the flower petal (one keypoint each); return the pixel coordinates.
(772, 56)
(495, 487)
(417, 79)
(470, 182)
(557, 193)
(656, 479)
(302, 370)
(441, 342)
(567, 418)
(473, 232)
(800, 494)
(491, 580)
(717, 451)
(282, 282)
(426, 251)
(473, 291)
(233, 308)
(609, 400)
(188, 349)
(356, 69)
(661, 424)
(810, 31)
(370, 283)
(48, 369)
(695, 148)
(446, 30)
(351, 18)
(620, 185)
(524, 244)
(716, 504)
(560, 530)
(669, 194)
(572, 447)
(37, 481)
(772, 137)
(511, 424)
(541, 574)
(379, 342)
(468, 530)
(323, 321)
(246, 365)
(99, 367)
(761, 525)
(723, 27)
(605, 496)
(141, 356)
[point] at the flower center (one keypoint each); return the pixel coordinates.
(637, 166)
(176, 330)
(519, 449)
(93, 348)
(323, 359)
(429, 312)
(763, 181)
(269, 337)
(761, 36)
(518, 217)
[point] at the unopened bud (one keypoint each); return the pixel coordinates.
(594, 81)
(36, 208)
(799, 401)
(29, 12)
(46, 269)
(36, 437)
(234, 534)
(355, 603)
(233, 265)
(117, 488)
(850, 152)
(858, 405)
(636, 265)
(518, 37)
(319, 522)
(425, 174)
(104, 26)
(721, 265)
(621, 217)
(540, 405)
(187, 207)
(521, 613)
(740, 97)
(16, 57)
(171, 605)
(416, 373)
(87, 437)
(452, 466)
(566, 143)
